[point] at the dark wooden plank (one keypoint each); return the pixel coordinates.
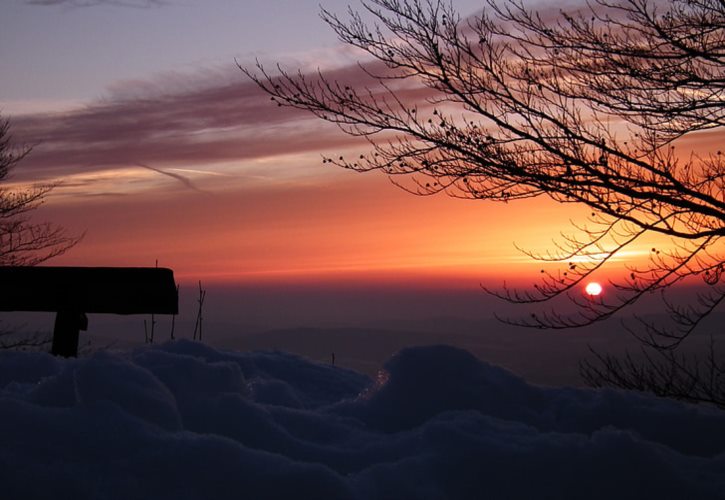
(116, 290)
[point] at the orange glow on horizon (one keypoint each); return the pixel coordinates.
(352, 228)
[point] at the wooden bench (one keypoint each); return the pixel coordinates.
(71, 292)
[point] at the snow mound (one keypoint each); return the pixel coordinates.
(187, 421)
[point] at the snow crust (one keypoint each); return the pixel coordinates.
(186, 421)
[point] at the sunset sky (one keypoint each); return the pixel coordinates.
(166, 151)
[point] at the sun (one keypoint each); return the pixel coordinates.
(593, 289)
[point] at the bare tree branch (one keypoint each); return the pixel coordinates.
(22, 241)
(591, 108)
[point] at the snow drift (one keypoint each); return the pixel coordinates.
(184, 421)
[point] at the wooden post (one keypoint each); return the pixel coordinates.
(65, 334)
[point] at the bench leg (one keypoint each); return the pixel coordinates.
(65, 334)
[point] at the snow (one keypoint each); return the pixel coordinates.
(184, 421)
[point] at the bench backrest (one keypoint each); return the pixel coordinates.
(116, 290)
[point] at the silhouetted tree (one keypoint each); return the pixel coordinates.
(585, 107)
(22, 241)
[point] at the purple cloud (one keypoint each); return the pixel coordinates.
(206, 123)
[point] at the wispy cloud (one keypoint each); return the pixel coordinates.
(193, 125)
(183, 179)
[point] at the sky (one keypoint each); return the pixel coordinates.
(165, 153)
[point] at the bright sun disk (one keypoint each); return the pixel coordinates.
(593, 288)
